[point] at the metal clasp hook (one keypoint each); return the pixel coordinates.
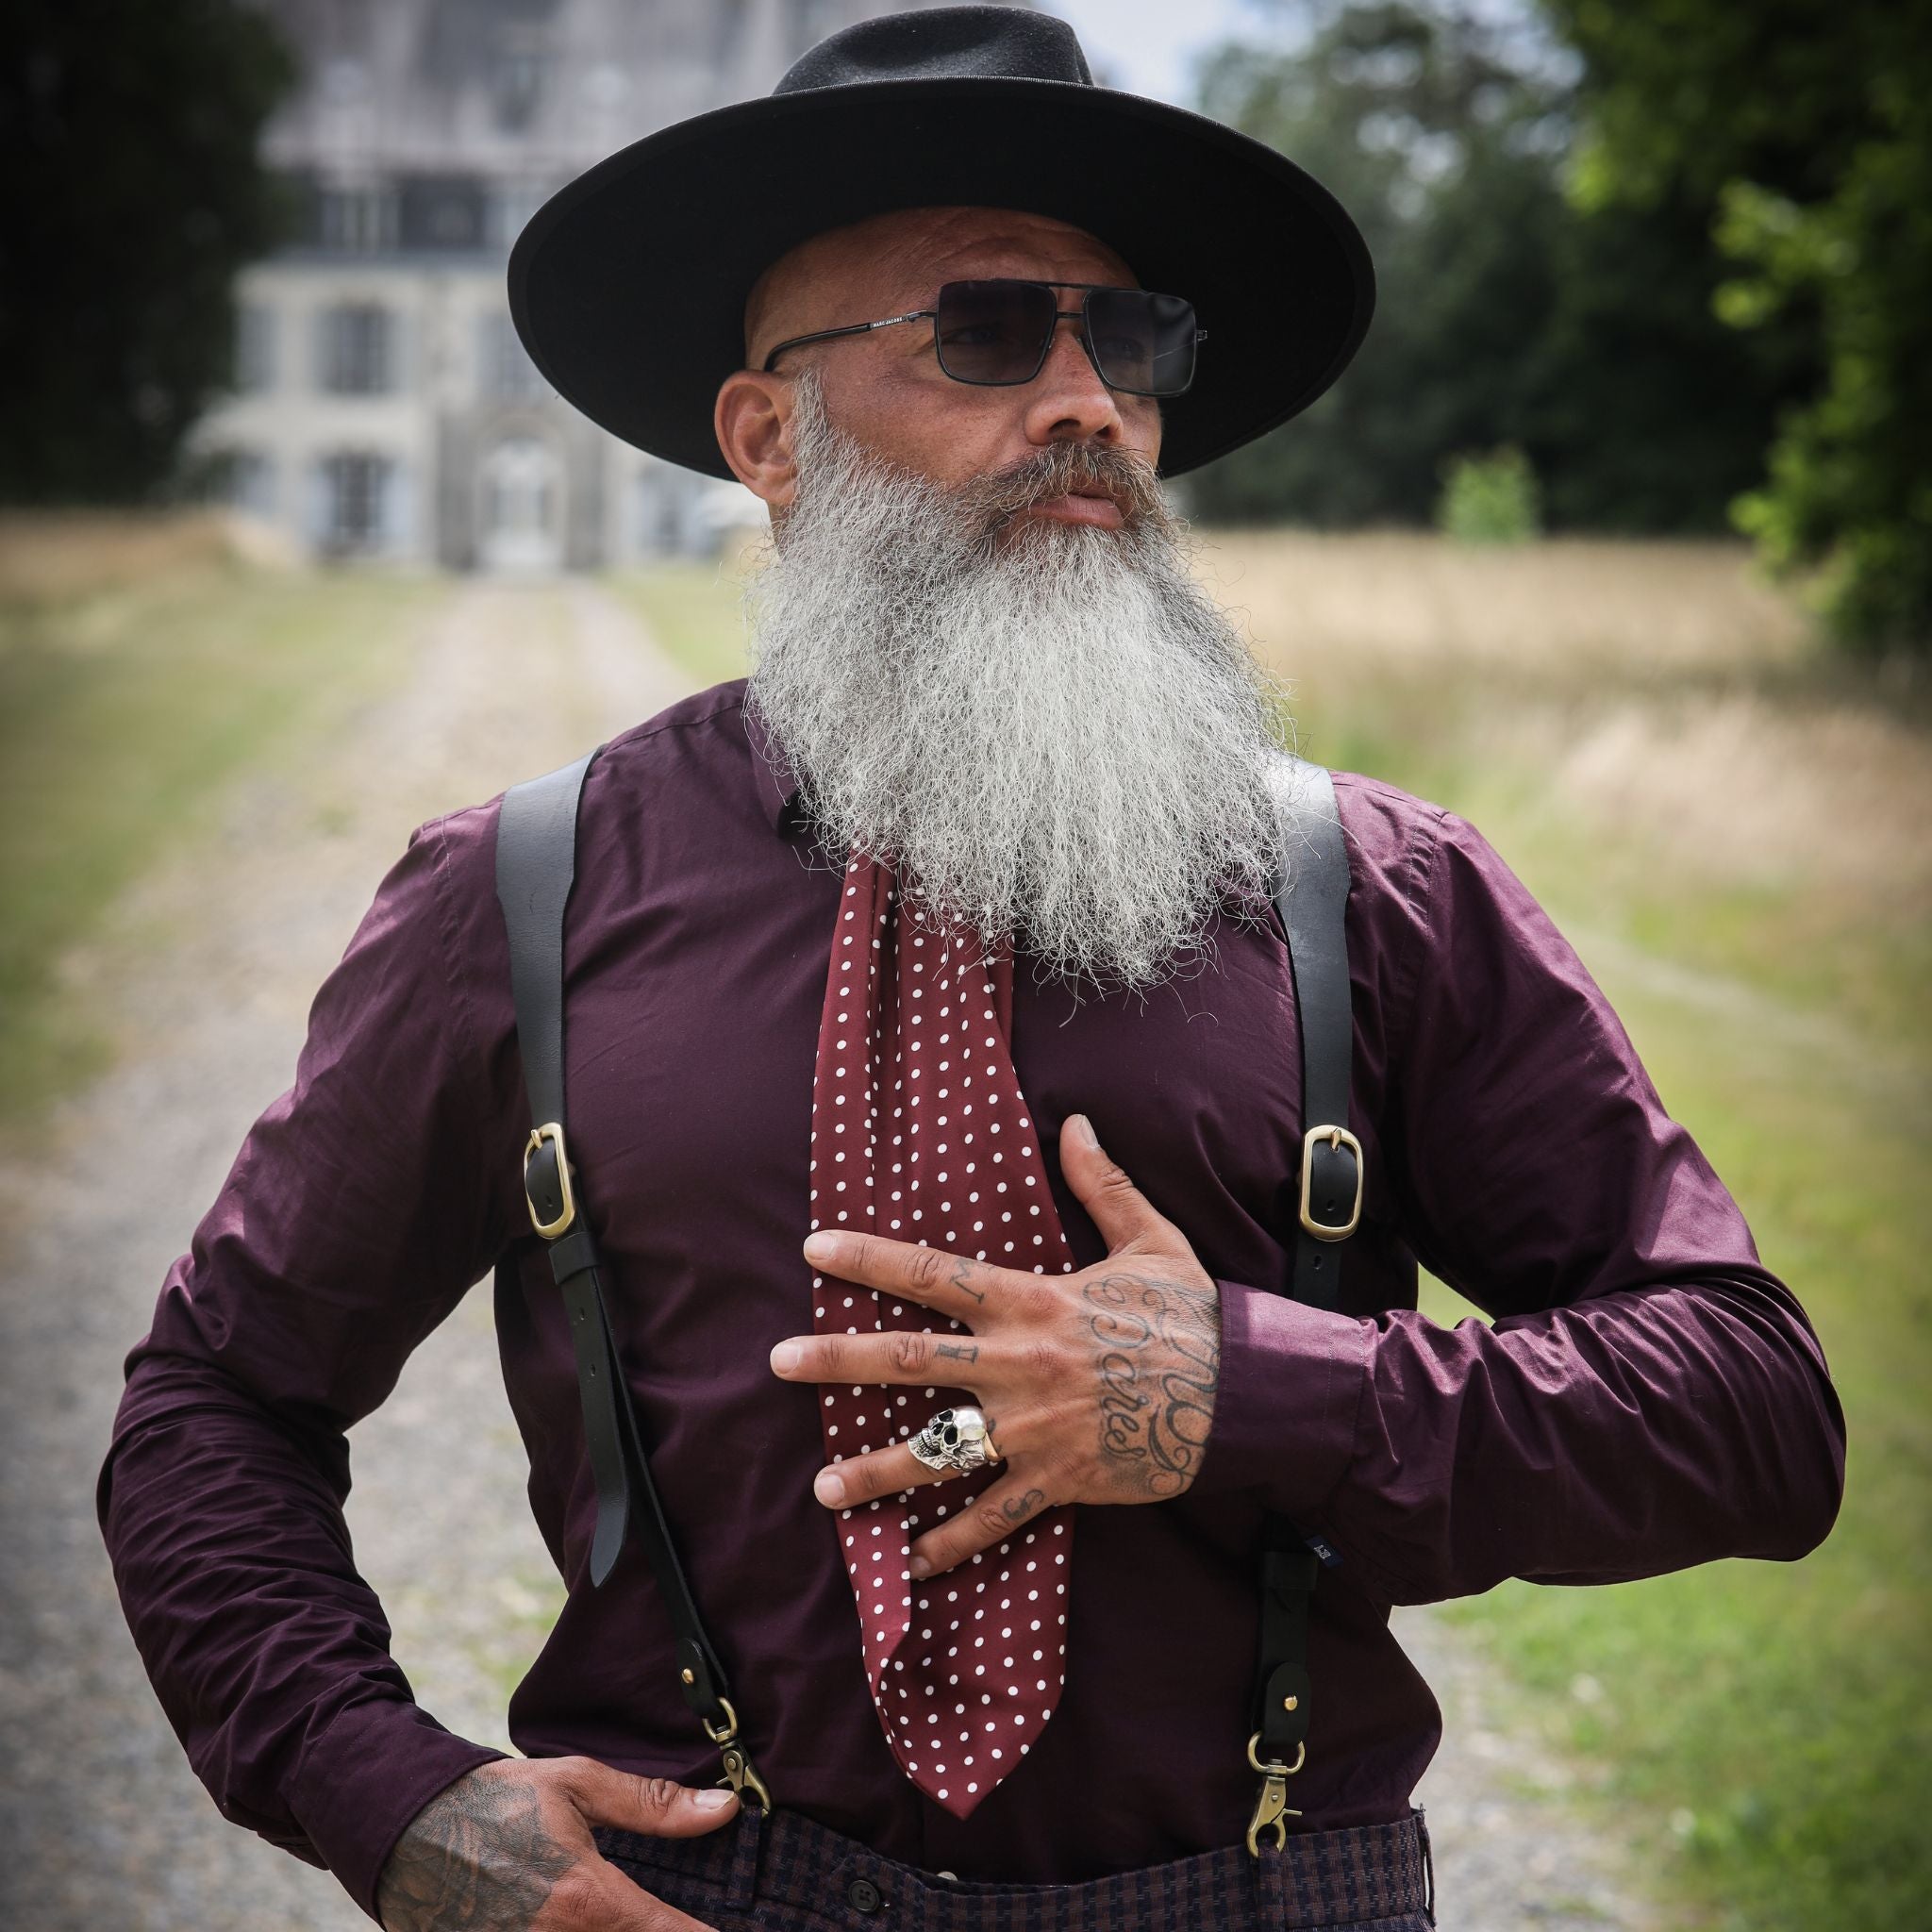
(1272, 1808)
(741, 1774)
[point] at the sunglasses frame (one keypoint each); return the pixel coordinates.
(1061, 315)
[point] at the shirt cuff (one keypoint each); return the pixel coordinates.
(363, 1782)
(1291, 1380)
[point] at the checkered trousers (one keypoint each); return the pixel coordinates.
(782, 1872)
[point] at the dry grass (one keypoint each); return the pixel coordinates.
(1658, 689)
(1574, 607)
(50, 556)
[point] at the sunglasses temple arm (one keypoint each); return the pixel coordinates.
(856, 328)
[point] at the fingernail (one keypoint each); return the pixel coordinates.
(713, 1801)
(786, 1356)
(920, 1567)
(828, 1486)
(820, 1247)
(1084, 1127)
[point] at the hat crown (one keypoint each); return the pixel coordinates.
(943, 43)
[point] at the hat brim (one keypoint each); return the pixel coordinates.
(628, 285)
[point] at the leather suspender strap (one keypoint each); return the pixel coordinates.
(535, 865)
(1312, 898)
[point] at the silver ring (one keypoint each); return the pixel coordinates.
(955, 1442)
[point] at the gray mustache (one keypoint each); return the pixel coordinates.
(1060, 470)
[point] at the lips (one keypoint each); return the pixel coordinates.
(1099, 508)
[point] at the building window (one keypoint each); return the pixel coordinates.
(441, 214)
(516, 85)
(356, 491)
(358, 350)
(245, 479)
(255, 348)
(505, 373)
(355, 220)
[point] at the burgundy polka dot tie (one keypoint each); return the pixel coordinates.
(920, 1134)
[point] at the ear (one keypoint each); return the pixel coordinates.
(752, 422)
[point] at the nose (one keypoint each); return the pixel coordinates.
(1067, 402)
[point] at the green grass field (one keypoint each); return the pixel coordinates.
(1735, 837)
(124, 711)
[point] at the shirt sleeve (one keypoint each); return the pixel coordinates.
(1650, 1396)
(357, 1212)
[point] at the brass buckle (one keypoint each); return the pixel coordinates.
(552, 1132)
(741, 1774)
(1271, 1807)
(1336, 1137)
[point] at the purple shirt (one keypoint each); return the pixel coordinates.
(1649, 1396)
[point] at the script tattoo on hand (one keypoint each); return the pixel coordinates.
(1158, 1354)
(479, 1857)
(957, 1352)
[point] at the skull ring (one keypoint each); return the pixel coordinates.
(955, 1442)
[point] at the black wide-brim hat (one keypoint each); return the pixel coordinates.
(628, 285)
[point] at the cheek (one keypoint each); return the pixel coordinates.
(948, 431)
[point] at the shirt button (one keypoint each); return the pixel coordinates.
(864, 1895)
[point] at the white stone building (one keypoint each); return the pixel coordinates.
(383, 406)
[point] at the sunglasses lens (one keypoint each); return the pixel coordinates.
(994, 332)
(1143, 342)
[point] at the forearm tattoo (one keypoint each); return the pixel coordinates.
(1158, 1354)
(479, 1857)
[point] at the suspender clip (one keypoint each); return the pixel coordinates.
(741, 1774)
(1271, 1807)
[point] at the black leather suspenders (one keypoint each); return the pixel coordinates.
(1311, 898)
(535, 863)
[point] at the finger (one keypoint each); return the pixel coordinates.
(1125, 1216)
(991, 1518)
(654, 1807)
(900, 1355)
(931, 1276)
(884, 1473)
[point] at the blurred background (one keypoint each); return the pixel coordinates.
(1616, 538)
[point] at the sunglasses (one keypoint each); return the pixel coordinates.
(998, 333)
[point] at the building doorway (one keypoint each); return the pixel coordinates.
(522, 508)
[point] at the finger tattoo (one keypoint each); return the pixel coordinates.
(965, 1287)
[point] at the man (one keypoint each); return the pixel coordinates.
(931, 1045)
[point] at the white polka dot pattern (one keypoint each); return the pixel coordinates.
(920, 1133)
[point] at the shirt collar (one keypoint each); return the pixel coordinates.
(772, 774)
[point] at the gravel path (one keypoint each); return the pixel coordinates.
(207, 972)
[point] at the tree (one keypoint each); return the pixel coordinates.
(1506, 315)
(1801, 131)
(127, 137)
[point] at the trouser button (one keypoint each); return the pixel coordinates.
(865, 1895)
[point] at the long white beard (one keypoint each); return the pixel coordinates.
(1050, 728)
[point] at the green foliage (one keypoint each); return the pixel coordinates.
(1506, 315)
(1490, 498)
(127, 137)
(1803, 133)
